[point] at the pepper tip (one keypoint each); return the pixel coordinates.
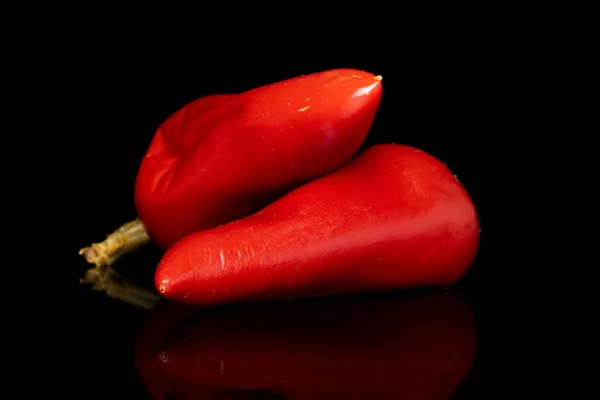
(162, 288)
(162, 356)
(378, 78)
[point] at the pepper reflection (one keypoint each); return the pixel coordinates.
(412, 346)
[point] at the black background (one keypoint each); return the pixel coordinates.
(447, 98)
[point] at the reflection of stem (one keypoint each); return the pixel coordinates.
(127, 238)
(116, 286)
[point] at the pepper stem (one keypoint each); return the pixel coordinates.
(126, 239)
(104, 278)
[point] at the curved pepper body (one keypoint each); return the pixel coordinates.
(391, 346)
(223, 157)
(395, 217)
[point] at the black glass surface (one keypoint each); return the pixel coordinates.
(416, 344)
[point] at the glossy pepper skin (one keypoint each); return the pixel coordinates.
(386, 346)
(223, 157)
(395, 217)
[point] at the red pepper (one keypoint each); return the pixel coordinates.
(223, 157)
(392, 346)
(395, 217)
